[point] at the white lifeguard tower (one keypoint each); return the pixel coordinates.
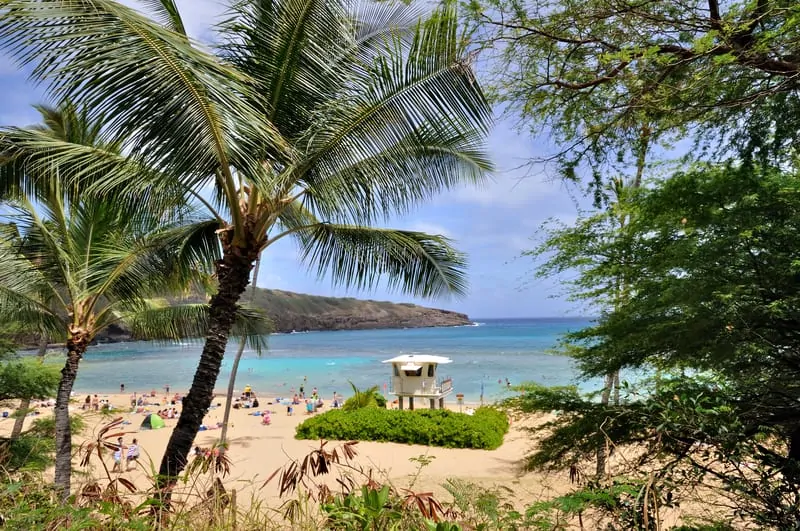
(414, 375)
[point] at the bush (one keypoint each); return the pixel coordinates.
(34, 450)
(438, 427)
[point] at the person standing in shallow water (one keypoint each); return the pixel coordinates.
(121, 388)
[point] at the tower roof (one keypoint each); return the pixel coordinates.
(418, 358)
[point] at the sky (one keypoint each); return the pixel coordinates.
(493, 224)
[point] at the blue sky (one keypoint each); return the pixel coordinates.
(493, 224)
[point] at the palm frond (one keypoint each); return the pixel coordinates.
(190, 321)
(167, 13)
(415, 169)
(426, 96)
(22, 290)
(179, 107)
(288, 48)
(412, 262)
(31, 158)
(377, 24)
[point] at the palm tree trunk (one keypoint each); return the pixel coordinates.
(25, 403)
(233, 273)
(223, 436)
(76, 346)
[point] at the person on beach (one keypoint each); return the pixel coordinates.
(302, 391)
(247, 391)
(87, 403)
(95, 403)
(309, 407)
(118, 456)
(166, 388)
(266, 418)
(122, 388)
(133, 454)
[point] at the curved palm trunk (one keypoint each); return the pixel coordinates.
(19, 422)
(233, 273)
(76, 346)
(25, 403)
(223, 437)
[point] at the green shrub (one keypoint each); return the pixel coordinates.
(380, 400)
(34, 450)
(438, 427)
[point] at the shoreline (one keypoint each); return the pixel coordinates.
(220, 396)
(31, 348)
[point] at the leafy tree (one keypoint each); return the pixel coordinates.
(596, 271)
(609, 79)
(27, 378)
(712, 298)
(315, 120)
(75, 263)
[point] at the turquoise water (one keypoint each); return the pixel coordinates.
(494, 350)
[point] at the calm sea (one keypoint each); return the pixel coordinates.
(483, 356)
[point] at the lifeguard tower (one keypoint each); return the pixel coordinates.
(414, 376)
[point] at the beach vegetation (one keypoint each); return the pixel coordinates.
(326, 489)
(710, 257)
(314, 121)
(367, 398)
(34, 449)
(484, 429)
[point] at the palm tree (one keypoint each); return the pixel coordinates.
(75, 263)
(361, 399)
(314, 120)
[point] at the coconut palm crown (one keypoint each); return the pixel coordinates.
(311, 119)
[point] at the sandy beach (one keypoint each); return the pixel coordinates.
(257, 450)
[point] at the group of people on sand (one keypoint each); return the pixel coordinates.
(127, 455)
(314, 401)
(95, 403)
(169, 413)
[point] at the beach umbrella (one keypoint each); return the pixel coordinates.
(152, 422)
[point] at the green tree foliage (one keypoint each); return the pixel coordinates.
(27, 378)
(439, 427)
(605, 79)
(713, 298)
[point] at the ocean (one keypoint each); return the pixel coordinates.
(483, 355)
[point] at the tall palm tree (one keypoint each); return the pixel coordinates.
(314, 120)
(75, 263)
